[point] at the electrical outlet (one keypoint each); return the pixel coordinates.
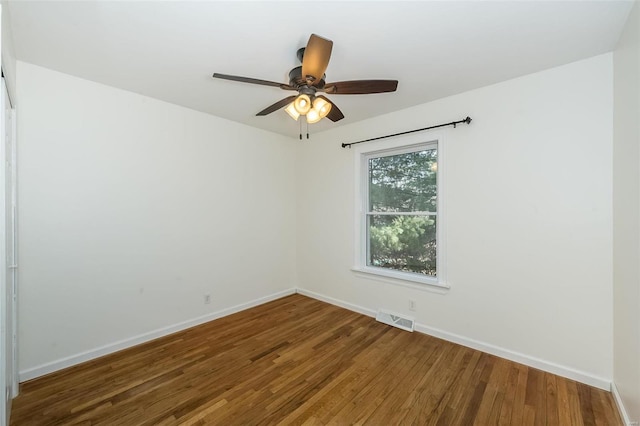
(207, 299)
(412, 305)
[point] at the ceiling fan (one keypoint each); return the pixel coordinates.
(309, 80)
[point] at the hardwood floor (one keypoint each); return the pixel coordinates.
(300, 361)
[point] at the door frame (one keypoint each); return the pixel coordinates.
(15, 386)
(8, 258)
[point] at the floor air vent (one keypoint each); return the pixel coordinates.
(395, 320)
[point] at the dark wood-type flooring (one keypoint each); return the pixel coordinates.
(300, 361)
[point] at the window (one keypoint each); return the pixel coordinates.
(399, 223)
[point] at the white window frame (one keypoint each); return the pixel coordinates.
(398, 145)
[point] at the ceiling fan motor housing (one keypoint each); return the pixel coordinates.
(296, 79)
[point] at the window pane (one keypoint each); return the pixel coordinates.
(403, 182)
(404, 243)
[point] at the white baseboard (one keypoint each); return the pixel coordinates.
(560, 370)
(530, 361)
(518, 357)
(72, 360)
(618, 399)
(350, 306)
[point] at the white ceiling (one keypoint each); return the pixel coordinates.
(168, 50)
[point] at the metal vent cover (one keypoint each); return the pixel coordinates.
(395, 320)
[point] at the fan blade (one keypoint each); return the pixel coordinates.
(277, 105)
(361, 87)
(335, 114)
(316, 58)
(253, 81)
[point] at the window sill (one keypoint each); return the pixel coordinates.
(404, 279)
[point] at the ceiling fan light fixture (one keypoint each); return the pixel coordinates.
(291, 110)
(322, 106)
(302, 104)
(313, 116)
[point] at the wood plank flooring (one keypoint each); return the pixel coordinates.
(300, 361)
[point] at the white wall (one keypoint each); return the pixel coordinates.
(529, 219)
(626, 215)
(132, 209)
(8, 53)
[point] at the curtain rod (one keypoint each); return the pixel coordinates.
(453, 123)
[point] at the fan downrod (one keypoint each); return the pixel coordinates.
(300, 54)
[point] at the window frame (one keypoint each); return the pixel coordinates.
(398, 145)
